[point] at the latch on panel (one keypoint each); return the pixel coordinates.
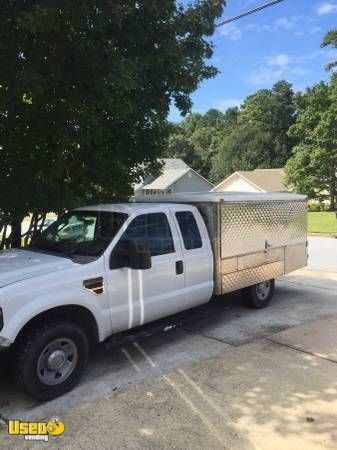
(267, 246)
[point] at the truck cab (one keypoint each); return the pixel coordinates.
(95, 272)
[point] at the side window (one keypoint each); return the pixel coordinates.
(189, 230)
(155, 230)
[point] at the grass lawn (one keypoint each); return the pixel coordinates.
(322, 222)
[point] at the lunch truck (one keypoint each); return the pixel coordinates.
(100, 273)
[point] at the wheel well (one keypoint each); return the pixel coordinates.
(73, 313)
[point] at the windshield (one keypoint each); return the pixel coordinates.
(86, 233)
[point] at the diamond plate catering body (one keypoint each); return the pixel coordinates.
(255, 237)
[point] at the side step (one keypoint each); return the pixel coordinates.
(138, 333)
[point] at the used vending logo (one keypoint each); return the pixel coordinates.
(36, 431)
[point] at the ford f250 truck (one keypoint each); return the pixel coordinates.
(102, 271)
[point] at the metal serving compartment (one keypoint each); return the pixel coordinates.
(255, 237)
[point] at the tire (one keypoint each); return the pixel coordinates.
(259, 295)
(50, 360)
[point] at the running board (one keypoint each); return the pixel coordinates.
(138, 333)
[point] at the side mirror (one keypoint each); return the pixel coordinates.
(134, 254)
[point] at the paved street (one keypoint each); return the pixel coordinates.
(227, 331)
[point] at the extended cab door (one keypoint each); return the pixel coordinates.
(140, 296)
(197, 256)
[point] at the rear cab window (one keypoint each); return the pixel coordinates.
(189, 230)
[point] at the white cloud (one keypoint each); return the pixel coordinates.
(284, 23)
(300, 71)
(277, 67)
(228, 103)
(231, 31)
(294, 23)
(265, 76)
(280, 60)
(329, 53)
(326, 8)
(315, 30)
(273, 71)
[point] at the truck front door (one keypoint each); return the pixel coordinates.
(141, 296)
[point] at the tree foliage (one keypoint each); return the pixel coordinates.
(313, 167)
(330, 39)
(85, 89)
(239, 139)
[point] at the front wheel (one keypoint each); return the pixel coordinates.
(259, 295)
(50, 359)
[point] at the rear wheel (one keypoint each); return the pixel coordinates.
(50, 360)
(259, 295)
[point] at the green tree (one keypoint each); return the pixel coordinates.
(313, 167)
(330, 39)
(273, 112)
(85, 89)
(245, 148)
(257, 136)
(197, 139)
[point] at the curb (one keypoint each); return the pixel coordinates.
(327, 235)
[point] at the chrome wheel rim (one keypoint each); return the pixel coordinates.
(57, 361)
(263, 290)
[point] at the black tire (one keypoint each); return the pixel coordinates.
(256, 299)
(30, 354)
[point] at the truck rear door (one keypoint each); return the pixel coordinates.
(197, 256)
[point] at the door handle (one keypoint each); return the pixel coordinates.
(179, 267)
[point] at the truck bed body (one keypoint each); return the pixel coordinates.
(255, 237)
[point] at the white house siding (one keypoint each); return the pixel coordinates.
(237, 184)
(191, 182)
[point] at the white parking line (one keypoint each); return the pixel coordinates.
(130, 359)
(208, 424)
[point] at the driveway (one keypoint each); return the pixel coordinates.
(211, 331)
(204, 332)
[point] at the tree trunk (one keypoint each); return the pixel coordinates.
(15, 237)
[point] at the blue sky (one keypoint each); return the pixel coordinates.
(280, 42)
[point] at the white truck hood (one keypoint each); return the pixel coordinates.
(18, 265)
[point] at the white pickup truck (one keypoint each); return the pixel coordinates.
(103, 270)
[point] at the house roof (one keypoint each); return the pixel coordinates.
(167, 178)
(266, 180)
(172, 171)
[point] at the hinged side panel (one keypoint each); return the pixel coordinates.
(258, 226)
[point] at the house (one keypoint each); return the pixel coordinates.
(176, 176)
(258, 180)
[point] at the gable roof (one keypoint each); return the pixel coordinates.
(266, 180)
(172, 171)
